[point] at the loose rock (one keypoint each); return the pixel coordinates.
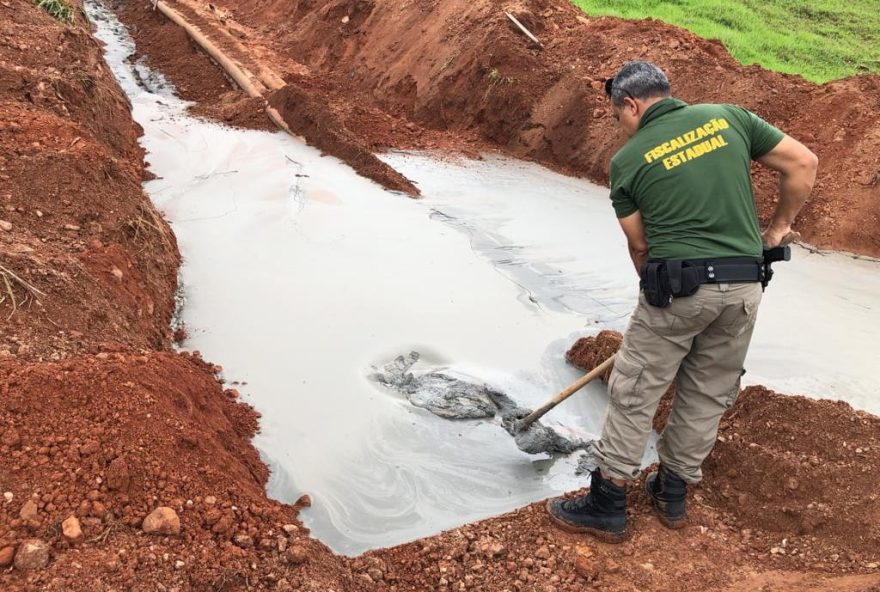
(297, 555)
(162, 520)
(7, 554)
(32, 554)
(118, 477)
(585, 563)
(71, 529)
(29, 510)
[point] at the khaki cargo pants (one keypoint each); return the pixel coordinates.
(701, 341)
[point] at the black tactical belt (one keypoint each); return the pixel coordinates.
(732, 270)
(661, 281)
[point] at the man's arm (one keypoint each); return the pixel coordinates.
(634, 229)
(797, 173)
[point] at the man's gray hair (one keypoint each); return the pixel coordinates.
(639, 80)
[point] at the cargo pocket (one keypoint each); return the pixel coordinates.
(734, 392)
(682, 311)
(745, 320)
(624, 383)
(678, 316)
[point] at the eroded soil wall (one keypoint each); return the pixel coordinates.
(434, 74)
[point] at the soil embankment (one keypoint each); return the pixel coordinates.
(88, 264)
(99, 420)
(100, 423)
(459, 74)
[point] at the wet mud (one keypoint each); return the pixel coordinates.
(453, 398)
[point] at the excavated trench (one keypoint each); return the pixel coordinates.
(303, 279)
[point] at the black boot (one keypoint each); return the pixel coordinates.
(667, 492)
(601, 513)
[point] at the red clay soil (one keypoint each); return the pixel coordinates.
(87, 263)
(89, 268)
(101, 423)
(115, 436)
(429, 74)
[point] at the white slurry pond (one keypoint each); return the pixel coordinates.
(299, 277)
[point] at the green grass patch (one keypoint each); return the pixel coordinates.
(60, 9)
(821, 40)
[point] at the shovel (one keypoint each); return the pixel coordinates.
(568, 391)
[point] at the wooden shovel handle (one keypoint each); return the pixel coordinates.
(566, 393)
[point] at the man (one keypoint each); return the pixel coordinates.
(681, 189)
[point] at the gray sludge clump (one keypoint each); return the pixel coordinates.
(452, 398)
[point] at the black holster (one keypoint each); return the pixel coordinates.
(772, 255)
(661, 281)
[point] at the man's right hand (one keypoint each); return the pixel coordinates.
(773, 236)
(797, 174)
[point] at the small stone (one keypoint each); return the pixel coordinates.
(4, 225)
(648, 566)
(118, 476)
(345, 20)
(89, 448)
(7, 554)
(11, 438)
(543, 552)
(777, 551)
(71, 529)
(290, 528)
(792, 483)
(73, 227)
(29, 510)
(179, 564)
(32, 554)
(244, 541)
(297, 555)
(8, 496)
(117, 273)
(162, 520)
(223, 524)
(210, 500)
(585, 562)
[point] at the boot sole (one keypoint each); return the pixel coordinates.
(603, 535)
(670, 523)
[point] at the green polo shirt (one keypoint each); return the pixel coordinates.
(687, 170)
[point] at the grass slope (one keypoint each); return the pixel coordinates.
(821, 40)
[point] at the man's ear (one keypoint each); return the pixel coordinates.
(631, 105)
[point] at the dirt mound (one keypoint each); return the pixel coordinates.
(115, 436)
(86, 263)
(796, 466)
(422, 74)
(790, 466)
(306, 113)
